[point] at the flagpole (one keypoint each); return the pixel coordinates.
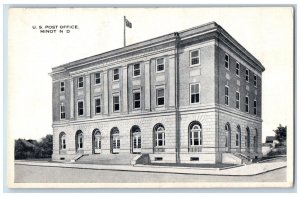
(124, 31)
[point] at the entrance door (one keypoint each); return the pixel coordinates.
(97, 142)
(136, 142)
(227, 138)
(116, 143)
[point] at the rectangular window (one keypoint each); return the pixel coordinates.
(116, 74)
(136, 100)
(247, 104)
(97, 78)
(62, 86)
(80, 108)
(160, 65)
(237, 100)
(160, 96)
(62, 111)
(80, 82)
(226, 61)
(255, 80)
(226, 95)
(195, 57)
(255, 107)
(195, 93)
(236, 139)
(97, 106)
(237, 69)
(136, 70)
(116, 102)
(247, 75)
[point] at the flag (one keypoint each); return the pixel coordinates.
(127, 23)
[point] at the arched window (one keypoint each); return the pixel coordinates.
(97, 141)
(62, 141)
(227, 137)
(159, 135)
(79, 140)
(247, 139)
(136, 139)
(195, 130)
(115, 140)
(255, 140)
(238, 136)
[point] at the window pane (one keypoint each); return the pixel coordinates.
(195, 61)
(160, 67)
(160, 93)
(137, 96)
(160, 61)
(195, 54)
(137, 104)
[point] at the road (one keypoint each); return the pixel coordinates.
(39, 174)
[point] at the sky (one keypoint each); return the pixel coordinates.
(267, 33)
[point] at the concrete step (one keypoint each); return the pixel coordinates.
(109, 159)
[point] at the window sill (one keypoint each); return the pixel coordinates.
(194, 65)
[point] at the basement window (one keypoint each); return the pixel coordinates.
(194, 159)
(158, 159)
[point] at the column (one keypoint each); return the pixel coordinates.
(87, 95)
(147, 86)
(105, 93)
(71, 98)
(172, 87)
(124, 91)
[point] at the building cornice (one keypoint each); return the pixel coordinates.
(210, 29)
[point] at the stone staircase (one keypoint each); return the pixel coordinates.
(245, 159)
(108, 159)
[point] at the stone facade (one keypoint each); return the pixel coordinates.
(198, 123)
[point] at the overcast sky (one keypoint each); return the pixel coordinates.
(265, 32)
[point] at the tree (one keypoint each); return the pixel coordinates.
(280, 134)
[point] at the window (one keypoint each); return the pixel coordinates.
(116, 102)
(237, 71)
(226, 62)
(80, 82)
(247, 104)
(254, 107)
(160, 65)
(159, 130)
(97, 141)
(160, 96)
(195, 134)
(195, 57)
(136, 70)
(80, 140)
(195, 93)
(136, 100)
(80, 108)
(136, 139)
(238, 136)
(116, 74)
(247, 75)
(97, 78)
(226, 95)
(62, 141)
(97, 106)
(236, 139)
(237, 100)
(255, 81)
(62, 86)
(115, 140)
(62, 111)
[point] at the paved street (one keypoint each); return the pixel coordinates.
(43, 174)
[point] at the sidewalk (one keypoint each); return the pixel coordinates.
(247, 170)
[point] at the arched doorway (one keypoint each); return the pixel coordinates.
(247, 139)
(238, 138)
(62, 143)
(195, 136)
(136, 139)
(115, 140)
(255, 141)
(227, 138)
(79, 141)
(96, 141)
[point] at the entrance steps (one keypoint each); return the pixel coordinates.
(108, 159)
(245, 159)
(236, 158)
